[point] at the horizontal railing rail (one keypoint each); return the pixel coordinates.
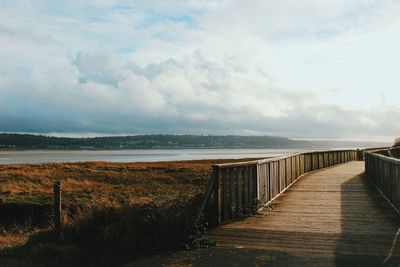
(241, 188)
(384, 171)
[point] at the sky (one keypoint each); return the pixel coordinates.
(313, 69)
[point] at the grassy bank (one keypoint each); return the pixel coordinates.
(110, 209)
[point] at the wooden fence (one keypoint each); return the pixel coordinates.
(240, 189)
(384, 171)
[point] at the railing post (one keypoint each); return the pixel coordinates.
(57, 209)
(217, 195)
(258, 181)
(360, 153)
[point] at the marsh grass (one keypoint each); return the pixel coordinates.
(109, 209)
(106, 230)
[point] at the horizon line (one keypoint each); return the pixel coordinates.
(94, 135)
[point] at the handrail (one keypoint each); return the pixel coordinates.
(240, 188)
(383, 157)
(259, 161)
(372, 149)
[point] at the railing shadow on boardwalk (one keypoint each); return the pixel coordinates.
(369, 226)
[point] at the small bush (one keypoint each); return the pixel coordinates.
(397, 142)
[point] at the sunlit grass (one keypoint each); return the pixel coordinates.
(139, 206)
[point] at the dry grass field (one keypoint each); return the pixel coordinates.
(131, 206)
(100, 181)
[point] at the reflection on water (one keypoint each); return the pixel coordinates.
(32, 156)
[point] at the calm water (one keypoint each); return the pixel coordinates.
(136, 155)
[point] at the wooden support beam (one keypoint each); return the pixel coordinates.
(57, 210)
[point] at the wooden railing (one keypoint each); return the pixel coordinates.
(239, 189)
(384, 171)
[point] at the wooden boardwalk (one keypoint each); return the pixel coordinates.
(334, 212)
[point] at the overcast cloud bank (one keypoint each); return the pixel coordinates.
(325, 69)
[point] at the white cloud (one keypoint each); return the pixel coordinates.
(305, 70)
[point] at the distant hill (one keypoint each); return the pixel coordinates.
(29, 141)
